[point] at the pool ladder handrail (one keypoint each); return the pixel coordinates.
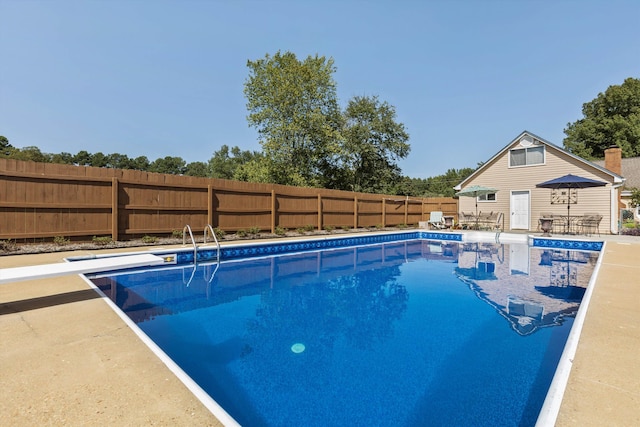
(209, 229)
(193, 241)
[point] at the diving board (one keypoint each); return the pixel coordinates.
(92, 265)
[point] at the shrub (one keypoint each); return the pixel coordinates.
(346, 228)
(329, 228)
(176, 234)
(61, 241)
(241, 233)
(300, 230)
(630, 231)
(280, 231)
(102, 240)
(149, 239)
(309, 228)
(219, 233)
(254, 230)
(402, 226)
(8, 245)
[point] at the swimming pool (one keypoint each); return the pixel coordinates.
(408, 332)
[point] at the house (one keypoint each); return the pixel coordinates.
(529, 160)
(630, 169)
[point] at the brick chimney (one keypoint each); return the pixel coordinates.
(613, 159)
(613, 162)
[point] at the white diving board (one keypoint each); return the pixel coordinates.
(92, 265)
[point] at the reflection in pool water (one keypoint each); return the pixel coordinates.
(384, 334)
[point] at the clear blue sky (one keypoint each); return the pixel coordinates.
(165, 78)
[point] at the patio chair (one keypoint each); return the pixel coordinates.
(436, 220)
(589, 224)
(466, 219)
(560, 224)
(497, 221)
(485, 220)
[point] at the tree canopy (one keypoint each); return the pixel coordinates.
(294, 107)
(5, 147)
(232, 163)
(612, 118)
(373, 143)
(308, 141)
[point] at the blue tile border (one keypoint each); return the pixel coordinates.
(310, 245)
(456, 237)
(580, 245)
(275, 248)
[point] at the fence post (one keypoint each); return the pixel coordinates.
(114, 208)
(210, 205)
(384, 212)
(406, 210)
(355, 212)
(273, 211)
(319, 212)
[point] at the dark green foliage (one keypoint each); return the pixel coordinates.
(437, 186)
(5, 147)
(612, 118)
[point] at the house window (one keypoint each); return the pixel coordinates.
(526, 156)
(491, 197)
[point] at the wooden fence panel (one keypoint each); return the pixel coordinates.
(45, 200)
(241, 208)
(337, 210)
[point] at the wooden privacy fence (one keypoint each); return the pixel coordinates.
(44, 200)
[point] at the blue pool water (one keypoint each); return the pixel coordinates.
(409, 333)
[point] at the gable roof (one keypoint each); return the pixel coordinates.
(630, 170)
(616, 178)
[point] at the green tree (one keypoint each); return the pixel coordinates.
(294, 107)
(30, 153)
(140, 163)
(170, 165)
(99, 160)
(83, 158)
(613, 117)
(197, 169)
(63, 158)
(373, 143)
(118, 161)
(255, 170)
(437, 186)
(5, 148)
(635, 197)
(226, 162)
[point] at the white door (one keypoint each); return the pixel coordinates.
(519, 210)
(519, 259)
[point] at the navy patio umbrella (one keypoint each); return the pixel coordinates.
(571, 181)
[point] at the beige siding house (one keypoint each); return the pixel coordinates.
(529, 160)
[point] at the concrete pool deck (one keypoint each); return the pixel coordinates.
(68, 359)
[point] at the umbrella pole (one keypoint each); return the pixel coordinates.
(476, 213)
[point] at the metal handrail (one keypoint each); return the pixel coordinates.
(184, 242)
(209, 228)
